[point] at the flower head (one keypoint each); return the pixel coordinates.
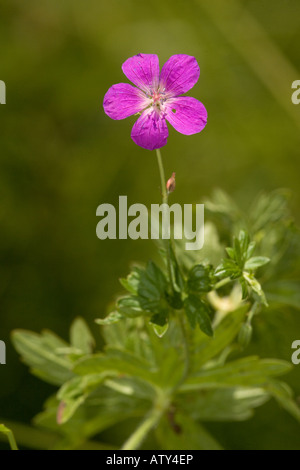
(157, 97)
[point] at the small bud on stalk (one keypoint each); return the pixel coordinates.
(245, 334)
(171, 184)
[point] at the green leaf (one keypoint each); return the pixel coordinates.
(113, 317)
(130, 306)
(131, 283)
(206, 348)
(230, 252)
(130, 334)
(244, 288)
(211, 252)
(160, 330)
(222, 205)
(230, 404)
(81, 336)
(149, 288)
(238, 254)
(132, 386)
(250, 249)
(101, 409)
(256, 262)
(249, 371)
(199, 279)
(284, 396)
(244, 241)
(38, 353)
(269, 209)
(177, 430)
(198, 312)
(228, 267)
(159, 319)
(74, 393)
(117, 361)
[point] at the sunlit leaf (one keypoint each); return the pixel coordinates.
(42, 359)
(81, 336)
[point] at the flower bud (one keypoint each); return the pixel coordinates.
(60, 412)
(171, 183)
(245, 335)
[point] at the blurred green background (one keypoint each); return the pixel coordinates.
(61, 157)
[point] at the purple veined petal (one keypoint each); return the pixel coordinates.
(179, 74)
(143, 71)
(186, 114)
(123, 100)
(150, 130)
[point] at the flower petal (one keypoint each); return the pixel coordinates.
(143, 71)
(179, 74)
(186, 114)
(123, 100)
(150, 130)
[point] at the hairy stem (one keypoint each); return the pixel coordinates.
(151, 420)
(170, 271)
(12, 441)
(186, 350)
(222, 283)
(162, 177)
(165, 201)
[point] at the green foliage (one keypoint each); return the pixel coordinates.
(148, 294)
(241, 264)
(45, 354)
(173, 356)
(199, 279)
(198, 312)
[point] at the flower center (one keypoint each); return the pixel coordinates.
(157, 98)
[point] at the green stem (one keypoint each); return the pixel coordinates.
(222, 283)
(162, 177)
(164, 192)
(138, 436)
(170, 271)
(186, 350)
(12, 441)
(9, 435)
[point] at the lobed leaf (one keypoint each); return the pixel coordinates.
(39, 353)
(198, 312)
(249, 371)
(81, 336)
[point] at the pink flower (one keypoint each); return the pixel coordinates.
(158, 97)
